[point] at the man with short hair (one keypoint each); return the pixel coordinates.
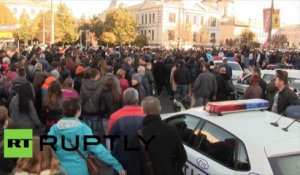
(227, 67)
(205, 87)
(110, 74)
(125, 123)
(165, 149)
(145, 81)
(285, 96)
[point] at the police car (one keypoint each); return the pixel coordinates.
(238, 137)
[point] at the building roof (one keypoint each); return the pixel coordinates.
(236, 22)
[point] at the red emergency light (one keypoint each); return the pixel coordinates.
(236, 105)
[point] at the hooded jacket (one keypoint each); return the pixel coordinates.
(70, 160)
(90, 96)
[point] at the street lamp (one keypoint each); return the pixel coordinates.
(18, 44)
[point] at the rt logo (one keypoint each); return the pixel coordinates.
(17, 143)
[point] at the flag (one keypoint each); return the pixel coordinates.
(266, 13)
(276, 19)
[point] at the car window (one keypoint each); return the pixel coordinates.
(185, 125)
(268, 78)
(285, 164)
(294, 83)
(217, 144)
(246, 80)
(235, 66)
(242, 160)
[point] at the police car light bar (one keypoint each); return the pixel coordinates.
(236, 105)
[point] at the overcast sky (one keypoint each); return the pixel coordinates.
(244, 9)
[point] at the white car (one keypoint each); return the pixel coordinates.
(268, 75)
(237, 143)
(237, 71)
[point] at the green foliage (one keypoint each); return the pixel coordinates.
(122, 24)
(247, 37)
(6, 16)
(141, 40)
(65, 26)
(25, 30)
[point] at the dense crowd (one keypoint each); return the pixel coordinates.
(77, 91)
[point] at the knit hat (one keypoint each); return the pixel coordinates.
(137, 77)
(79, 70)
(55, 74)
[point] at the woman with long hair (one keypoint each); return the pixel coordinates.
(53, 104)
(43, 162)
(68, 89)
(254, 90)
(22, 109)
(123, 81)
(71, 127)
(111, 99)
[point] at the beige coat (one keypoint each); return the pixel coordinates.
(172, 81)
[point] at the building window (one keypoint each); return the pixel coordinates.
(202, 20)
(187, 19)
(195, 19)
(152, 35)
(213, 37)
(153, 18)
(213, 22)
(142, 33)
(145, 19)
(142, 19)
(149, 18)
(195, 37)
(171, 35)
(15, 10)
(172, 17)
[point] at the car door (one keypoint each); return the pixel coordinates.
(186, 125)
(241, 85)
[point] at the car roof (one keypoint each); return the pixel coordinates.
(292, 73)
(253, 127)
(220, 61)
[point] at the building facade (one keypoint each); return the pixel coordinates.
(177, 23)
(292, 32)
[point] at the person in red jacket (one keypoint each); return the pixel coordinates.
(123, 81)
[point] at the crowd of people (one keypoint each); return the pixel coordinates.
(76, 91)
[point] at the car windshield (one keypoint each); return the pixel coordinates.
(294, 83)
(234, 66)
(285, 164)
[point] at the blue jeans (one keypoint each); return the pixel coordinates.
(182, 90)
(201, 101)
(94, 122)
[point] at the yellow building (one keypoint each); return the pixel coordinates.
(292, 32)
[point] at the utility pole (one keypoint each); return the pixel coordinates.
(270, 22)
(52, 23)
(44, 33)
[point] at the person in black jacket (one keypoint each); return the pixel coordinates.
(165, 148)
(284, 97)
(182, 79)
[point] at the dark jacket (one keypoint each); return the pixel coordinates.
(253, 91)
(146, 84)
(108, 104)
(6, 164)
(124, 122)
(222, 92)
(141, 90)
(77, 83)
(271, 91)
(263, 86)
(90, 97)
(205, 85)
(182, 76)
(166, 150)
(286, 98)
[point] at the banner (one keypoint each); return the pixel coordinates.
(6, 35)
(266, 13)
(276, 19)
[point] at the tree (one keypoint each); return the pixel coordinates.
(25, 31)
(108, 38)
(246, 37)
(122, 24)
(141, 40)
(204, 35)
(66, 29)
(37, 26)
(6, 17)
(229, 42)
(184, 33)
(278, 40)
